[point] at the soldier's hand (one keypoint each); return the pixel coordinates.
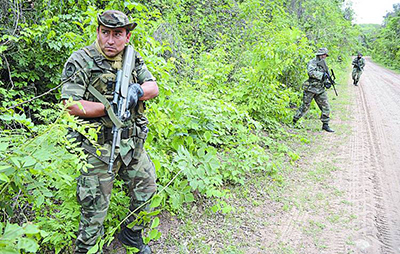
(327, 85)
(135, 91)
(325, 76)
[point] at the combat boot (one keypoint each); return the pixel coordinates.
(326, 127)
(134, 239)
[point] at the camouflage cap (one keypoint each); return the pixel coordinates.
(115, 19)
(322, 51)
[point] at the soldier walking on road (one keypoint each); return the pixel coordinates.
(314, 88)
(358, 68)
(90, 77)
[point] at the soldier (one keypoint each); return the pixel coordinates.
(358, 67)
(96, 66)
(314, 88)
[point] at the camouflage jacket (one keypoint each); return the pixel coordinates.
(88, 66)
(360, 62)
(315, 82)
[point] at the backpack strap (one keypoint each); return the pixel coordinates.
(106, 104)
(98, 59)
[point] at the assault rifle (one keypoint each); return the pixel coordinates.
(332, 80)
(119, 102)
(358, 65)
(329, 76)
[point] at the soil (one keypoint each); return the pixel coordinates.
(341, 196)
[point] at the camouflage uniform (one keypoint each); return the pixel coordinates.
(314, 88)
(356, 73)
(86, 67)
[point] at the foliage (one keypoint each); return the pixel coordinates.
(386, 47)
(229, 72)
(367, 37)
(327, 25)
(13, 241)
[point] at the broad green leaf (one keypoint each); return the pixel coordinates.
(28, 244)
(39, 200)
(153, 234)
(156, 201)
(4, 178)
(3, 147)
(28, 161)
(207, 136)
(157, 164)
(189, 197)
(31, 229)
(155, 222)
(12, 231)
(9, 250)
(16, 161)
(94, 249)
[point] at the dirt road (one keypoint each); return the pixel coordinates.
(373, 177)
(355, 208)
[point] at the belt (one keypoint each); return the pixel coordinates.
(313, 80)
(125, 133)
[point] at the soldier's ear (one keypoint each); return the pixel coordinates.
(128, 36)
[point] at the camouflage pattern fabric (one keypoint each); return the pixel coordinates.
(94, 192)
(356, 73)
(133, 165)
(314, 89)
(115, 19)
(322, 51)
(322, 102)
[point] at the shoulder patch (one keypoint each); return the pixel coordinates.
(70, 69)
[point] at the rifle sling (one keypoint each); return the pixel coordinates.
(106, 104)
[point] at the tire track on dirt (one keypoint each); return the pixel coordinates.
(377, 101)
(366, 154)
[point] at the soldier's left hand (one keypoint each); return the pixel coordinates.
(135, 91)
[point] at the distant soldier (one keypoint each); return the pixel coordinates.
(358, 67)
(314, 88)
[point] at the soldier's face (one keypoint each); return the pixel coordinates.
(323, 56)
(112, 40)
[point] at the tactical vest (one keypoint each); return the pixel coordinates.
(103, 78)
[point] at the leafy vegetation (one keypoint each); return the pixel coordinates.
(230, 75)
(386, 47)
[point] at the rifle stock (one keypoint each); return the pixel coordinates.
(119, 102)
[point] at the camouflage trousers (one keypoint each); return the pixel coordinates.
(94, 192)
(322, 101)
(356, 74)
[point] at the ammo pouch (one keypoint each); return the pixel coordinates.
(139, 140)
(136, 133)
